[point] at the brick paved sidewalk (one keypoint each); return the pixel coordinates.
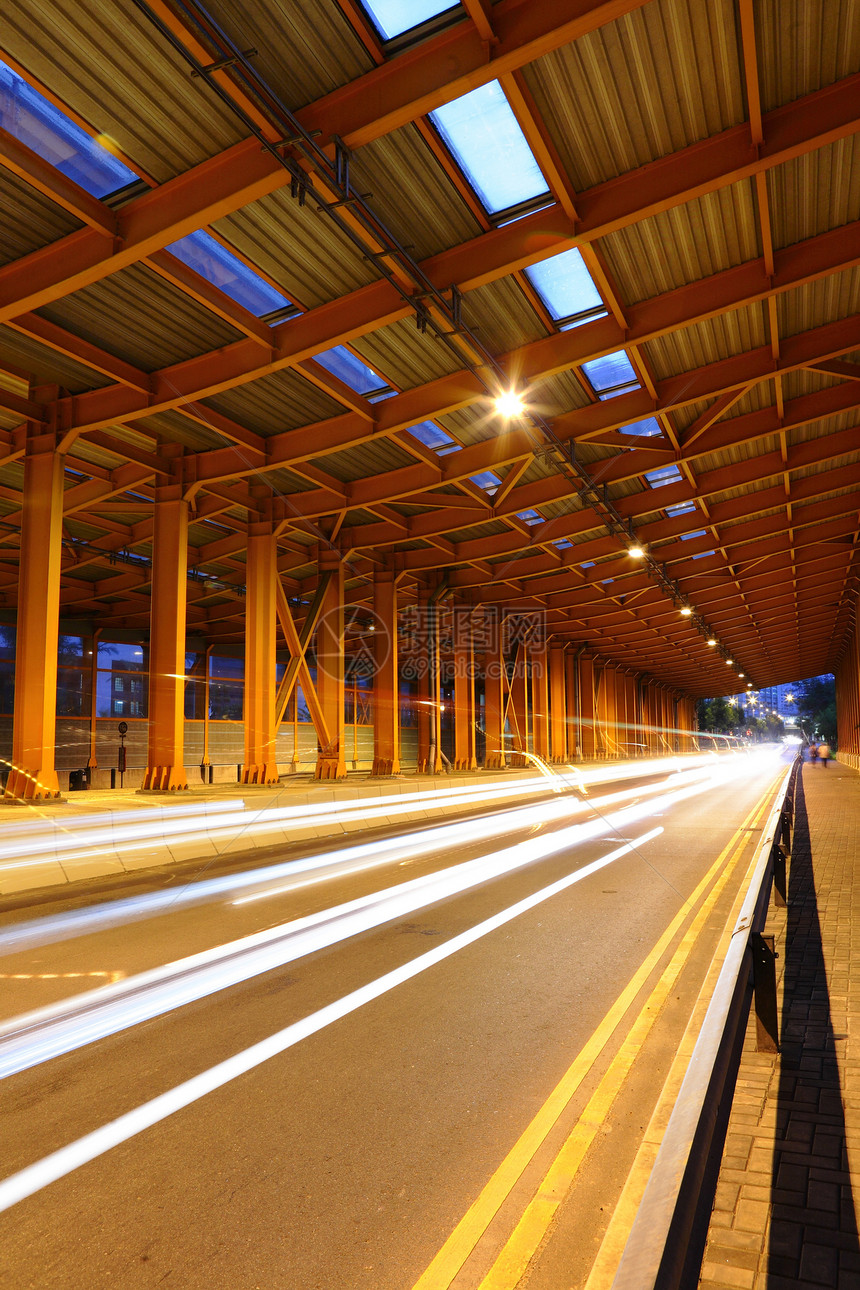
(785, 1209)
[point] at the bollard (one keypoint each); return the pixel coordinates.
(778, 855)
(764, 988)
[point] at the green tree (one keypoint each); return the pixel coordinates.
(718, 716)
(817, 708)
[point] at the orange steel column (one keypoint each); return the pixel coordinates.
(540, 700)
(494, 707)
(573, 705)
(663, 721)
(557, 705)
(422, 662)
(518, 711)
(586, 701)
(631, 732)
(621, 736)
(847, 673)
(649, 718)
(386, 692)
(464, 690)
(165, 768)
(261, 619)
(331, 763)
(606, 711)
(33, 776)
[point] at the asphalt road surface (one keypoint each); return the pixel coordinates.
(339, 1056)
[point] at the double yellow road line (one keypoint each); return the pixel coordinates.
(518, 1251)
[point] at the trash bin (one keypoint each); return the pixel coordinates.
(77, 780)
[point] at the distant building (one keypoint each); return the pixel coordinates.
(781, 699)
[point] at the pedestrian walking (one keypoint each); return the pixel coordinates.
(824, 753)
(813, 751)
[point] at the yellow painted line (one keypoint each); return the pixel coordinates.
(57, 976)
(518, 1251)
(474, 1223)
(605, 1265)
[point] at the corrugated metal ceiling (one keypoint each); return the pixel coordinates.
(281, 401)
(28, 221)
(160, 116)
(302, 251)
(304, 48)
(154, 324)
(685, 244)
(631, 91)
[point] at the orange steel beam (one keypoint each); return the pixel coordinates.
(372, 307)
(193, 284)
(481, 13)
(22, 161)
(214, 188)
(713, 414)
(451, 64)
(575, 525)
(814, 407)
(821, 112)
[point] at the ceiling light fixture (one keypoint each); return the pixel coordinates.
(686, 611)
(509, 404)
(711, 641)
(637, 552)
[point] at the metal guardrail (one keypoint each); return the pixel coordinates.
(664, 1248)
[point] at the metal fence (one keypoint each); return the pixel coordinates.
(664, 1248)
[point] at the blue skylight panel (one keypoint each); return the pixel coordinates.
(685, 537)
(393, 17)
(565, 286)
(530, 517)
(589, 564)
(612, 374)
(349, 369)
(680, 508)
(563, 543)
(487, 479)
(701, 555)
(28, 115)
(219, 266)
(482, 132)
(644, 429)
(431, 435)
(663, 475)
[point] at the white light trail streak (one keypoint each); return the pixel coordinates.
(67, 1159)
(345, 860)
(40, 1036)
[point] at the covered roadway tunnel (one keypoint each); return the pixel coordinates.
(408, 410)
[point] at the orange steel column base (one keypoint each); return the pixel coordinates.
(265, 774)
(330, 768)
(164, 779)
(31, 786)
